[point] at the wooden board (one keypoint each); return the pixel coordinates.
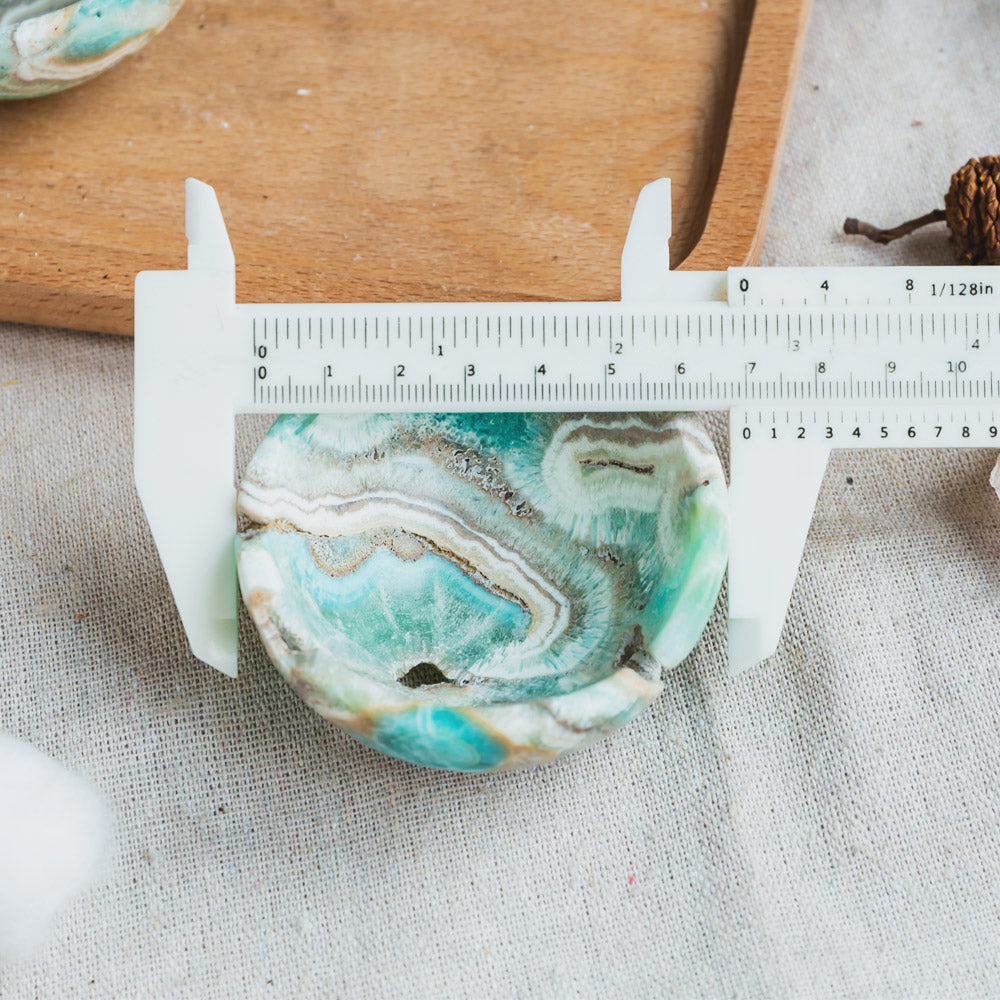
(374, 150)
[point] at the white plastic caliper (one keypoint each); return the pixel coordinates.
(804, 360)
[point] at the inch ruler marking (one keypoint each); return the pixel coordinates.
(720, 368)
(804, 360)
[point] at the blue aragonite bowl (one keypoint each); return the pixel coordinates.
(481, 591)
(49, 45)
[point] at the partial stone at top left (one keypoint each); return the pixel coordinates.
(49, 45)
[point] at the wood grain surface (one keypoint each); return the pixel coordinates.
(374, 150)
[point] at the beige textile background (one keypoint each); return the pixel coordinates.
(825, 826)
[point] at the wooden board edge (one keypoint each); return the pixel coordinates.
(756, 134)
(35, 304)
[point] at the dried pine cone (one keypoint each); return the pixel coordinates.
(973, 212)
(971, 209)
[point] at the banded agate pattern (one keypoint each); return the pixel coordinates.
(481, 591)
(49, 45)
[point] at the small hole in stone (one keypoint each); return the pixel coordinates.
(422, 675)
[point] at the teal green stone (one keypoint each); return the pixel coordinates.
(440, 737)
(49, 45)
(481, 591)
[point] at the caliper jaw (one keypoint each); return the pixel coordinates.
(184, 434)
(772, 487)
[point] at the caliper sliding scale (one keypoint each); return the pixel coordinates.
(804, 359)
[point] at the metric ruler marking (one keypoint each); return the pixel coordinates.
(717, 357)
(953, 426)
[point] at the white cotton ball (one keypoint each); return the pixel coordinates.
(53, 833)
(995, 477)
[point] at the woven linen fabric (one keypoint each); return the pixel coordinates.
(824, 826)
